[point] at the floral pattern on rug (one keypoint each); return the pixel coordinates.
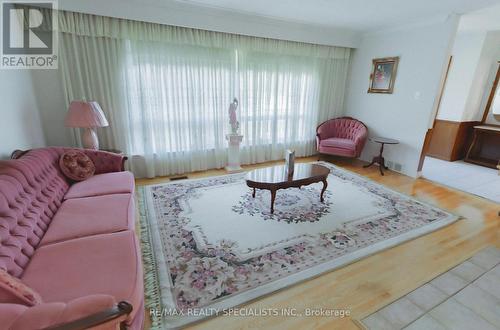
(202, 276)
(286, 206)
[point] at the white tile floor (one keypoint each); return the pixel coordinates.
(474, 179)
(465, 297)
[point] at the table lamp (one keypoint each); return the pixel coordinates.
(87, 115)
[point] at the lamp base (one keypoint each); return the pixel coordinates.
(89, 139)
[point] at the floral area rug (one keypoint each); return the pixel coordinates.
(208, 245)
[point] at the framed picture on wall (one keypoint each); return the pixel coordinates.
(383, 75)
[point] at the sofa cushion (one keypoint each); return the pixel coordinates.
(337, 151)
(76, 166)
(100, 264)
(10, 313)
(339, 143)
(103, 184)
(87, 216)
(13, 291)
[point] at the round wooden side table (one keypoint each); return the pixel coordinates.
(380, 159)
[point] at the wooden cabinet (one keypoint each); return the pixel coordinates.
(485, 147)
(450, 140)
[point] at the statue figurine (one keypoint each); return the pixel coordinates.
(235, 125)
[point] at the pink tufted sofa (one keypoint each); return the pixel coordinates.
(73, 243)
(344, 136)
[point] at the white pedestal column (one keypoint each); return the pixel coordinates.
(233, 156)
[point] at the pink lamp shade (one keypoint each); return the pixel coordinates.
(85, 114)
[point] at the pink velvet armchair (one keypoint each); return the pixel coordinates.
(344, 136)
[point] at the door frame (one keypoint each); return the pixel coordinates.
(428, 134)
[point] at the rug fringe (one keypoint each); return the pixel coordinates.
(151, 286)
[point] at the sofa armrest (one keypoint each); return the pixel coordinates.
(319, 130)
(17, 153)
(106, 162)
(325, 130)
(112, 318)
(360, 141)
(81, 313)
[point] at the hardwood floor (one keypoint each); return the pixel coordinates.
(369, 284)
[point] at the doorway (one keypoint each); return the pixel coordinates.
(462, 149)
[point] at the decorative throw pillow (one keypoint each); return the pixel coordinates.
(13, 291)
(76, 166)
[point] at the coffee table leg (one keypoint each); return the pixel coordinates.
(273, 196)
(253, 194)
(325, 184)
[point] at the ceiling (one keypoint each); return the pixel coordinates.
(358, 15)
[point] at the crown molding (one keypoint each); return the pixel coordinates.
(438, 19)
(186, 15)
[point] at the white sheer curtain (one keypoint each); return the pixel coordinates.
(281, 103)
(166, 90)
(177, 99)
(91, 69)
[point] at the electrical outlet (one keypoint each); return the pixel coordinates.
(398, 167)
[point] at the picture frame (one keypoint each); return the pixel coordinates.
(383, 75)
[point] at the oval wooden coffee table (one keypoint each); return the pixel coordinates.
(276, 177)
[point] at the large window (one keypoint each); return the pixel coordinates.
(166, 90)
(179, 98)
(279, 99)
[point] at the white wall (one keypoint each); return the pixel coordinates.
(49, 94)
(466, 53)
(405, 114)
(475, 54)
(20, 124)
(491, 60)
(489, 55)
(493, 71)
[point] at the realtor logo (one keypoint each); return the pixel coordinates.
(29, 38)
